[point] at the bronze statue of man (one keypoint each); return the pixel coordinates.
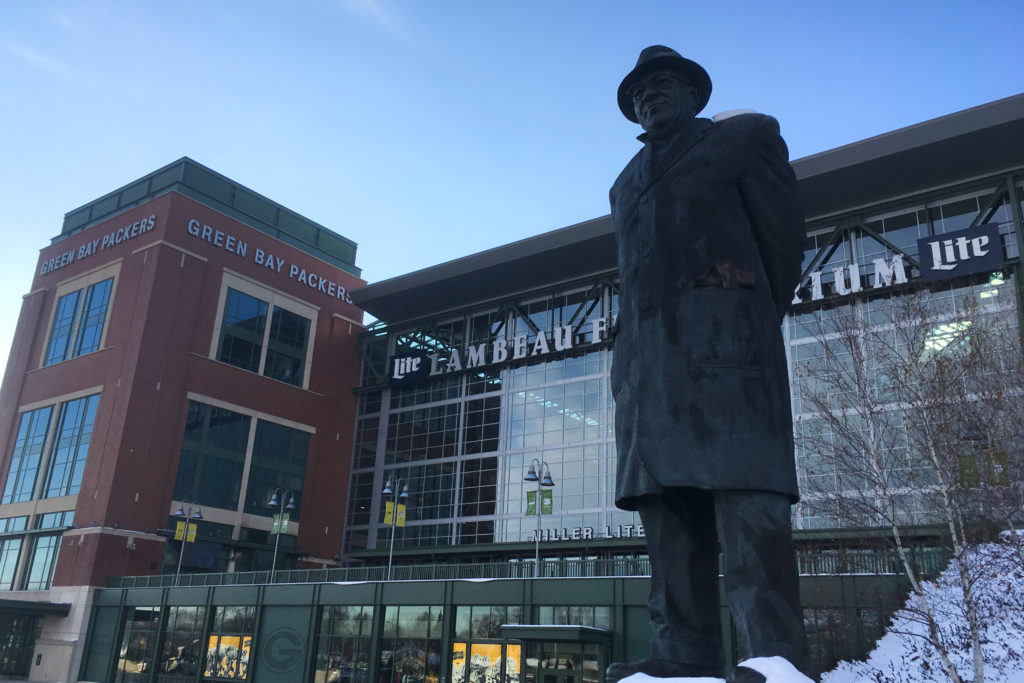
(710, 237)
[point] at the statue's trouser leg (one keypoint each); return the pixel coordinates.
(683, 604)
(761, 578)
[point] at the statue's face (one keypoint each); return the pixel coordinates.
(663, 100)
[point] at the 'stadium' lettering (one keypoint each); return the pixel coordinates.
(847, 279)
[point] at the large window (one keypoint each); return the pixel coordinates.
(42, 560)
(411, 643)
(78, 322)
(265, 332)
(212, 456)
(10, 549)
(44, 548)
(42, 543)
(138, 644)
(70, 447)
(278, 461)
(229, 649)
(343, 644)
(182, 654)
(216, 446)
(66, 446)
(28, 453)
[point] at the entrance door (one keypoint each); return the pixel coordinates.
(568, 662)
(551, 661)
(18, 635)
(559, 676)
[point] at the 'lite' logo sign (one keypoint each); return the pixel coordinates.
(963, 252)
(408, 368)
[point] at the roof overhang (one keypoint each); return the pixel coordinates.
(974, 143)
(568, 632)
(562, 255)
(34, 608)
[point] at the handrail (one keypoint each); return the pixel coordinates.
(839, 562)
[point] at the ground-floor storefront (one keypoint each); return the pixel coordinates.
(550, 630)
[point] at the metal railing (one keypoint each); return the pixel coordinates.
(927, 562)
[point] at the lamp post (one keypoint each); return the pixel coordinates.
(403, 485)
(545, 480)
(188, 515)
(276, 502)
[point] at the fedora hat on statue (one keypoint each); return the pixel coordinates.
(661, 58)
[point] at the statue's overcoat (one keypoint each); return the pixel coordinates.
(710, 237)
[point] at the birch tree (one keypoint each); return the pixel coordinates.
(912, 415)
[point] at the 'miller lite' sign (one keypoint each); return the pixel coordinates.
(408, 368)
(974, 250)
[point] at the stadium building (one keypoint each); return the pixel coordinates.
(187, 346)
(480, 538)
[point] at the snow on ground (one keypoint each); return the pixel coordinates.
(903, 655)
(774, 669)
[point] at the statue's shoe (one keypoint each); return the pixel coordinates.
(657, 668)
(742, 674)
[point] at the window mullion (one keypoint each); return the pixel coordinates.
(266, 336)
(71, 351)
(46, 456)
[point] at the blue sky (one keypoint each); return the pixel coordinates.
(425, 130)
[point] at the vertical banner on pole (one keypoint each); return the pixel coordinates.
(547, 502)
(531, 502)
(389, 511)
(401, 515)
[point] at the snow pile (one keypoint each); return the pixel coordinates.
(905, 654)
(774, 670)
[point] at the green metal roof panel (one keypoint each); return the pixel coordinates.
(223, 194)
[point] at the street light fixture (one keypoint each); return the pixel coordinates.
(544, 480)
(403, 485)
(275, 502)
(189, 515)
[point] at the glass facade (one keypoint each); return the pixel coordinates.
(463, 440)
(526, 381)
(825, 363)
